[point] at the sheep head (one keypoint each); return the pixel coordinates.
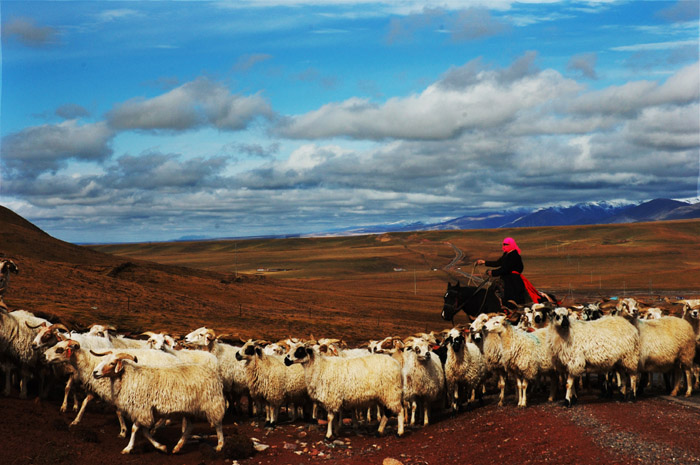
(112, 366)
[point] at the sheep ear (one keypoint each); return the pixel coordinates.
(119, 367)
(309, 351)
(258, 351)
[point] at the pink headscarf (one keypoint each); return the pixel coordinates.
(509, 245)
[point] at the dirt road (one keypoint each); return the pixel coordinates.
(596, 431)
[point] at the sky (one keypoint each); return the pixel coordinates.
(151, 121)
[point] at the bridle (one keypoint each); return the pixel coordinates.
(456, 307)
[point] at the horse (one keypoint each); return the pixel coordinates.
(472, 300)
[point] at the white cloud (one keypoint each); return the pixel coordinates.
(654, 46)
(49, 147)
(191, 105)
(439, 112)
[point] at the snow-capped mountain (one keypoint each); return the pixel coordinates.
(579, 214)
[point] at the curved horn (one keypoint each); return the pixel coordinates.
(97, 354)
(148, 333)
(56, 326)
(124, 356)
(34, 327)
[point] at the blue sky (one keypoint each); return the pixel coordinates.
(147, 121)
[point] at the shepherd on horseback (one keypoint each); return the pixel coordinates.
(517, 290)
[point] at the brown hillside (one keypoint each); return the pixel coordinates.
(352, 287)
(20, 238)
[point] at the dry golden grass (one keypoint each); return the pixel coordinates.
(336, 287)
(643, 257)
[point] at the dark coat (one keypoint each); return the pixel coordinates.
(513, 287)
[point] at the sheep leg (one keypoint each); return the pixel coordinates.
(569, 390)
(186, 430)
(122, 424)
(414, 407)
(83, 407)
(689, 382)
(401, 421)
(293, 414)
(633, 385)
(523, 394)
(502, 388)
(426, 407)
(130, 446)
(23, 382)
(455, 398)
(552, 388)
(274, 414)
(76, 404)
(220, 437)
(330, 417)
(150, 438)
(66, 394)
(159, 424)
(676, 383)
(384, 420)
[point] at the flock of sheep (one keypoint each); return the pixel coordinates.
(151, 381)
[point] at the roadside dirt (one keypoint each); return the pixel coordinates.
(595, 431)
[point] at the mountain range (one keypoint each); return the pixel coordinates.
(579, 214)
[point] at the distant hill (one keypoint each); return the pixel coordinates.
(576, 215)
(580, 214)
(656, 210)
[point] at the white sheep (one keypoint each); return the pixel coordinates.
(491, 349)
(465, 367)
(650, 313)
(83, 362)
(148, 393)
(666, 344)
(46, 336)
(423, 376)
(17, 332)
(271, 382)
(359, 382)
(609, 343)
(86, 356)
(231, 370)
(525, 354)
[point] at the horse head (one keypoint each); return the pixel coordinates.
(450, 306)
